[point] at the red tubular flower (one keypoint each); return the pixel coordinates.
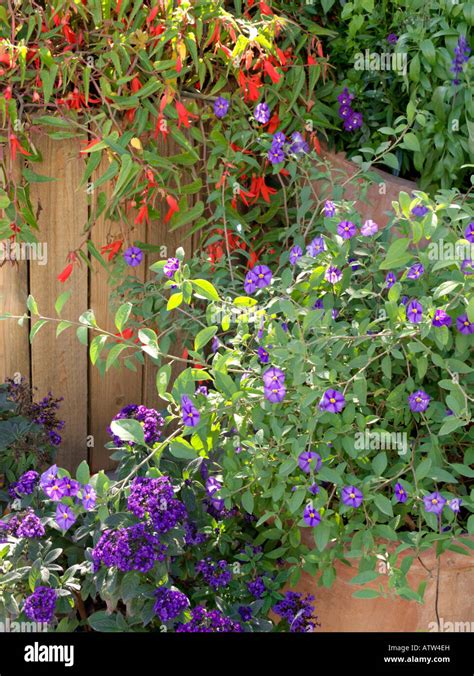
(126, 334)
(142, 215)
(253, 260)
(112, 249)
(89, 146)
(183, 115)
(265, 9)
(15, 146)
(273, 123)
(250, 85)
(152, 14)
(173, 207)
(66, 273)
(260, 188)
(271, 71)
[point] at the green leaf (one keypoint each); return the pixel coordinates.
(128, 430)
(36, 327)
(95, 348)
(180, 448)
(411, 142)
(365, 577)
(61, 301)
(248, 502)
(205, 289)
(321, 536)
(122, 315)
(383, 504)
(174, 301)
(366, 594)
(204, 336)
(83, 474)
(31, 177)
(32, 305)
(102, 621)
(113, 354)
(187, 215)
(397, 255)
(162, 379)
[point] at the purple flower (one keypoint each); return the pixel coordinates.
(25, 484)
(250, 283)
(400, 493)
(434, 502)
(441, 318)
(314, 489)
(48, 476)
(65, 517)
(369, 228)
(170, 267)
(419, 401)
(346, 229)
(316, 247)
(154, 499)
(392, 39)
(353, 122)
(189, 413)
(245, 613)
(298, 144)
(345, 98)
(309, 460)
(463, 325)
(89, 497)
(263, 355)
(262, 113)
(40, 605)
(467, 267)
(275, 393)
(150, 420)
(333, 275)
(202, 389)
(295, 254)
(414, 312)
(273, 376)
(415, 271)
(276, 155)
(329, 209)
(29, 527)
(318, 304)
(461, 56)
(216, 575)
(131, 548)
(221, 107)
(390, 279)
(169, 603)
(215, 344)
(213, 485)
(332, 401)
(70, 487)
(278, 139)
(55, 490)
(311, 516)
(419, 210)
(469, 232)
(455, 504)
(133, 256)
(256, 587)
(263, 275)
(352, 496)
(344, 112)
(298, 611)
(208, 621)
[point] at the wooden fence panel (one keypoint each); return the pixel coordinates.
(60, 365)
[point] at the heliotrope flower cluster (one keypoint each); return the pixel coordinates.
(153, 499)
(128, 548)
(461, 56)
(169, 603)
(25, 485)
(216, 574)
(40, 605)
(298, 610)
(44, 413)
(352, 120)
(208, 621)
(24, 526)
(256, 587)
(274, 385)
(151, 421)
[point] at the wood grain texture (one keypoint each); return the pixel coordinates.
(118, 387)
(60, 365)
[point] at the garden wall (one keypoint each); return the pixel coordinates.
(61, 364)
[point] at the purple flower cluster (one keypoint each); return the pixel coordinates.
(27, 526)
(25, 485)
(208, 621)
(256, 587)
(274, 385)
(461, 56)
(169, 603)
(216, 574)
(44, 413)
(153, 499)
(192, 536)
(352, 120)
(298, 611)
(258, 278)
(151, 420)
(130, 548)
(40, 605)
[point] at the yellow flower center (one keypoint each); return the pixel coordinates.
(352, 495)
(332, 400)
(434, 501)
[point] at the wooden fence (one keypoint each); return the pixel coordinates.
(61, 365)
